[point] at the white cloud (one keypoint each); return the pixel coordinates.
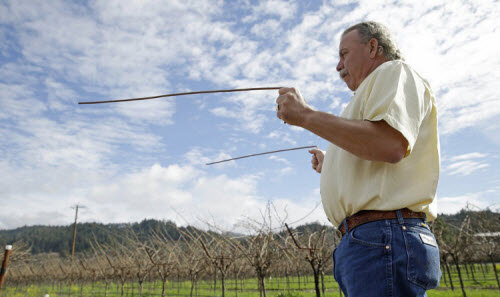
(308, 209)
(286, 171)
(182, 192)
(465, 167)
(451, 205)
(17, 101)
(282, 136)
(265, 29)
(465, 164)
(279, 8)
(115, 53)
(56, 52)
(224, 112)
(474, 155)
(198, 156)
(278, 159)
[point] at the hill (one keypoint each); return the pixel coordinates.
(57, 239)
(47, 239)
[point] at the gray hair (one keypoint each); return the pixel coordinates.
(369, 30)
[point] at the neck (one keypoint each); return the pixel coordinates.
(373, 64)
(379, 60)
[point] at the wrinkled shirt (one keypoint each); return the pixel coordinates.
(398, 95)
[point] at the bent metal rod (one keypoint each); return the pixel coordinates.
(253, 155)
(181, 94)
(205, 92)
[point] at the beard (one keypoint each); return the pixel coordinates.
(343, 73)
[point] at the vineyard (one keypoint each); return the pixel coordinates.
(266, 262)
(302, 286)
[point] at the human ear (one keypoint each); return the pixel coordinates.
(373, 47)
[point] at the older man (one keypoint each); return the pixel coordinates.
(379, 175)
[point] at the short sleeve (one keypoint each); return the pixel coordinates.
(397, 96)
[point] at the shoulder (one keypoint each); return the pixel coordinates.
(386, 72)
(400, 67)
(400, 70)
(395, 66)
(386, 75)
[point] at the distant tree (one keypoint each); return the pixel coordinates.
(221, 252)
(317, 253)
(453, 242)
(164, 255)
(263, 248)
(488, 243)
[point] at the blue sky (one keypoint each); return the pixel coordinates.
(129, 161)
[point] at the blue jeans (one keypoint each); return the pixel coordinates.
(387, 258)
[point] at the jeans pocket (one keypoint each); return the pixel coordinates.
(423, 257)
(372, 236)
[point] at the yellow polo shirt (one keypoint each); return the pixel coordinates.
(395, 93)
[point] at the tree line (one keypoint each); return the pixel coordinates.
(161, 251)
(57, 239)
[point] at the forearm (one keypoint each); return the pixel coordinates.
(374, 141)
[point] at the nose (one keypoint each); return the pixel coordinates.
(340, 66)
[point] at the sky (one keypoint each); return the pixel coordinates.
(126, 162)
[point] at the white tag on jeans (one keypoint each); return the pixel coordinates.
(428, 239)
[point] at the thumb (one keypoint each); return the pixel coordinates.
(284, 90)
(314, 151)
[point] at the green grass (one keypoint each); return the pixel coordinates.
(458, 293)
(484, 286)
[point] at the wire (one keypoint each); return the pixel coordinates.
(181, 94)
(253, 155)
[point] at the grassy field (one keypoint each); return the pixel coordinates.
(482, 285)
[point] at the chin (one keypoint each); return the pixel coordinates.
(350, 85)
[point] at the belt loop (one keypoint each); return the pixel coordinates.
(425, 216)
(346, 229)
(400, 217)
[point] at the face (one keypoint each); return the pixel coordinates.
(355, 61)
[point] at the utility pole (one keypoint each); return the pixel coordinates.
(4, 264)
(74, 231)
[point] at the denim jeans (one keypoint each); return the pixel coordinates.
(387, 258)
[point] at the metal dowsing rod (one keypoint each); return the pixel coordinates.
(206, 92)
(182, 94)
(271, 152)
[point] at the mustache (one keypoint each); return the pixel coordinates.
(343, 73)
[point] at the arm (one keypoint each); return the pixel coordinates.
(374, 141)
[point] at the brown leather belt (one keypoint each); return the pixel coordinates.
(366, 216)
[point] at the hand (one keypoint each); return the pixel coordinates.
(317, 159)
(291, 107)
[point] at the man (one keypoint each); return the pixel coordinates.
(379, 175)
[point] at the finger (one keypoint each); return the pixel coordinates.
(296, 91)
(280, 99)
(284, 90)
(314, 157)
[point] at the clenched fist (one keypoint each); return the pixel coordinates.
(291, 107)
